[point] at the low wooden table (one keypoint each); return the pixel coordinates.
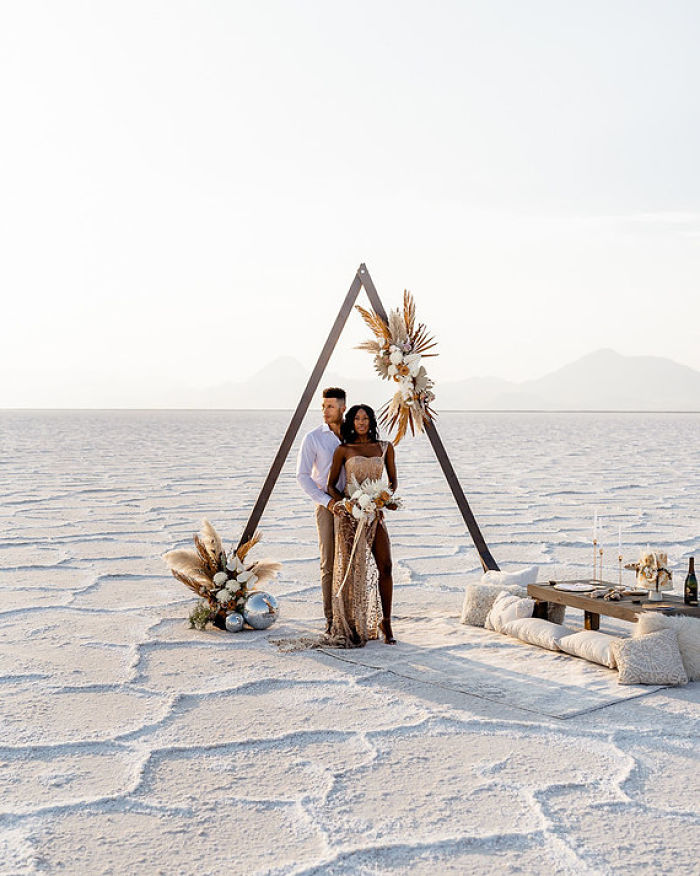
(626, 608)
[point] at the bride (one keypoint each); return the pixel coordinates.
(355, 615)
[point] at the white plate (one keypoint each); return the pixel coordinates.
(575, 587)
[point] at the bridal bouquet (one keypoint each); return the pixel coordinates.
(369, 497)
(399, 350)
(224, 582)
(366, 500)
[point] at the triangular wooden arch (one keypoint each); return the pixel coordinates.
(362, 280)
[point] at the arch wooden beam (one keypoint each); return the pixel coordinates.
(361, 280)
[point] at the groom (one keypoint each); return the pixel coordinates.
(313, 465)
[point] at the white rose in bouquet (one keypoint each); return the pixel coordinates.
(396, 356)
(220, 579)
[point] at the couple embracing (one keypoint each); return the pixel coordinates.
(356, 576)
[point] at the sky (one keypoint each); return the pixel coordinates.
(187, 188)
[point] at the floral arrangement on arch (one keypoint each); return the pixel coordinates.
(223, 582)
(399, 349)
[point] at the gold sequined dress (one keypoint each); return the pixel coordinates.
(356, 608)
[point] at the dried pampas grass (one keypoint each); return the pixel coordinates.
(188, 564)
(211, 542)
(265, 570)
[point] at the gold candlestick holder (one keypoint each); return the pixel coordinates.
(595, 559)
(619, 571)
(600, 551)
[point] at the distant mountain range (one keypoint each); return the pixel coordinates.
(600, 381)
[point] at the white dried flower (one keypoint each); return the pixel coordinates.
(235, 565)
(244, 576)
(356, 513)
(223, 595)
(396, 357)
(392, 370)
(220, 579)
(414, 363)
(364, 501)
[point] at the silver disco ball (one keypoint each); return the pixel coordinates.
(234, 622)
(260, 610)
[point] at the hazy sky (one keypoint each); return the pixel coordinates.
(187, 188)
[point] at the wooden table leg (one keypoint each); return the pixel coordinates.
(591, 620)
(541, 610)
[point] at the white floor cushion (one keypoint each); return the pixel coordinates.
(506, 608)
(688, 630)
(537, 631)
(651, 659)
(521, 578)
(590, 645)
(479, 598)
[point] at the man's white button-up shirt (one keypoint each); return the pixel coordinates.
(314, 463)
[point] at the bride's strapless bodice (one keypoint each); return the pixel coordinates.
(362, 467)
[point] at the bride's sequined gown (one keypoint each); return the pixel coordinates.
(356, 609)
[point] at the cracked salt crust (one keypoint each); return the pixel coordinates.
(131, 743)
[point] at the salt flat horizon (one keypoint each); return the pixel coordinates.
(601, 411)
(134, 744)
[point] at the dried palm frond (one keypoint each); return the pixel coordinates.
(242, 551)
(381, 366)
(422, 341)
(375, 323)
(209, 537)
(265, 570)
(422, 381)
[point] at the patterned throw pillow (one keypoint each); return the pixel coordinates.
(688, 630)
(651, 659)
(536, 631)
(508, 608)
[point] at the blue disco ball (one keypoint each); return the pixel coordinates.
(260, 610)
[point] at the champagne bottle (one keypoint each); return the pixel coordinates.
(690, 592)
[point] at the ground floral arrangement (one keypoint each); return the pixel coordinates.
(399, 348)
(227, 584)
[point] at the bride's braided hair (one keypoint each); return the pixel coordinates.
(348, 435)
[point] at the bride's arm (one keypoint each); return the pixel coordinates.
(391, 467)
(334, 474)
